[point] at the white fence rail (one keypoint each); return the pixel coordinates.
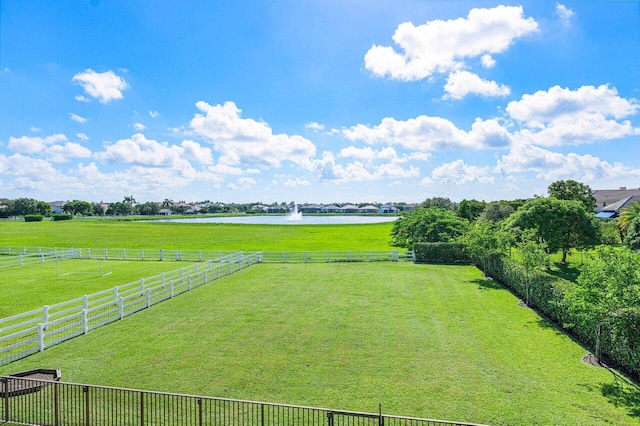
(30, 332)
(18, 256)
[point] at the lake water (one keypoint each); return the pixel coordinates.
(287, 220)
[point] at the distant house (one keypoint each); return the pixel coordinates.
(369, 209)
(57, 206)
(349, 208)
(330, 209)
(259, 208)
(276, 209)
(165, 212)
(311, 208)
(606, 197)
(613, 210)
(387, 208)
(193, 210)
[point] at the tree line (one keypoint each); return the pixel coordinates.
(601, 306)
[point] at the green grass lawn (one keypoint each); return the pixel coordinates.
(30, 287)
(195, 236)
(422, 340)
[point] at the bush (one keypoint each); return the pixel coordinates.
(441, 253)
(62, 217)
(33, 218)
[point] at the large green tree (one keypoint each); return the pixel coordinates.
(573, 190)
(440, 202)
(560, 224)
(470, 209)
(24, 206)
(427, 225)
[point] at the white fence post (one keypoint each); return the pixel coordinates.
(161, 254)
(121, 307)
(148, 296)
(171, 289)
(85, 322)
(45, 314)
(40, 337)
(189, 282)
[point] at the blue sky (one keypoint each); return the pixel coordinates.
(316, 101)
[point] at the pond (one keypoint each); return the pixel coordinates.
(287, 220)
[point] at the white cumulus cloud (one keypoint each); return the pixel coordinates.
(550, 165)
(425, 133)
(104, 86)
(462, 83)
(77, 118)
(442, 46)
(457, 172)
(560, 116)
(139, 126)
(314, 126)
(244, 141)
(564, 13)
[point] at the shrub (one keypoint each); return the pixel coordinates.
(62, 217)
(33, 218)
(441, 253)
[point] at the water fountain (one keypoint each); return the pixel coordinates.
(295, 215)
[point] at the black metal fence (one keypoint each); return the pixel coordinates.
(51, 403)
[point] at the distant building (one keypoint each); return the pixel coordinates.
(311, 208)
(369, 209)
(330, 209)
(165, 212)
(607, 197)
(613, 210)
(387, 208)
(57, 206)
(349, 208)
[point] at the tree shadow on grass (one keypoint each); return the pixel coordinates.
(623, 393)
(567, 271)
(488, 284)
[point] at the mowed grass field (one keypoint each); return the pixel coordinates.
(197, 236)
(30, 287)
(423, 340)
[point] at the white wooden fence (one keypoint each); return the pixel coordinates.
(30, 332)
(34, 331)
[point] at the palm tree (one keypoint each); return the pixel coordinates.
(167, 203)
(129, 199)
(628, 215)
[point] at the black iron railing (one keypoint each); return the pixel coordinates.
(52, 403)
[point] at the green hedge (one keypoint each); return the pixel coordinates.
(547, 295)
(62, 217)
(441, 253)
(33, 218)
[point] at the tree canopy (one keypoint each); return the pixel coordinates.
(425, 225)
(560, 224)
(573, 190)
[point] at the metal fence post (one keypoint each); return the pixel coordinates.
(141, 408)
(330, 418)
(200, 411)
(5, 381)
(56, 404)
(86, 405)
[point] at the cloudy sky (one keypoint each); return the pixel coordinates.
(316, 100)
